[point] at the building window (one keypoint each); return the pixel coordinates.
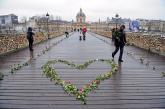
(3, 21)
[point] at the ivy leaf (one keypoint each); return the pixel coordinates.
(1, 76)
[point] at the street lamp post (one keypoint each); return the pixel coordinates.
(117, 18)
(108, 26)
(72, 26)
(47, 16)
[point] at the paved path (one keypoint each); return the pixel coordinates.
(136, 86)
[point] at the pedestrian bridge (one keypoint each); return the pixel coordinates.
(139, 82)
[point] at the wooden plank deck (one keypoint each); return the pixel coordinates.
(135, 86)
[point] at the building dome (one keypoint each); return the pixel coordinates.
(80, 16)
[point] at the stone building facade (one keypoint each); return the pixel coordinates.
(152, 25)
(7, 21)
(80, 20)
(80, 17)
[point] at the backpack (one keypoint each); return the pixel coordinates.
(28, 35)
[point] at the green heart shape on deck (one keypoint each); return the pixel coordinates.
(70, 88)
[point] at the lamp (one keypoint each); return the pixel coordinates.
(47, 16)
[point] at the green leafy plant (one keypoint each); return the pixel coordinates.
(163, 74)
(70, 88)
(16, 67)
(116, 34)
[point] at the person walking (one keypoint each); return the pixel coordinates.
(120, 41)
(66, 34)
(30, 38)
(84, 30)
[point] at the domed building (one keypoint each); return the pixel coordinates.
(80, 20)
(80, 17)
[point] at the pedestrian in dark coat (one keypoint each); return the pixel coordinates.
(30, 38)
(66, 34)
(120, 41)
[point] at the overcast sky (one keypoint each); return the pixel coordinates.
(94, 9)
